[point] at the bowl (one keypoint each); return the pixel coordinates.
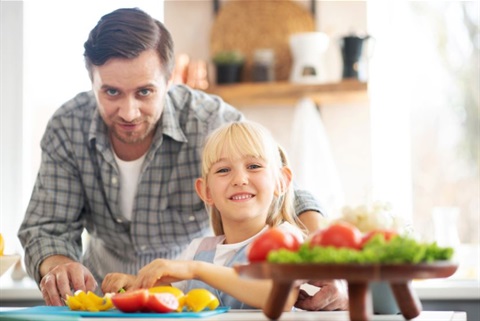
(7, 261)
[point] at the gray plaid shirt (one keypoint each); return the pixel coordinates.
(78, 186)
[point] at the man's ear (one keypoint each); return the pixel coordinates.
(286, 180)
(202, 191)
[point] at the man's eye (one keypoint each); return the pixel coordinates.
(112, 92)
(144, 92)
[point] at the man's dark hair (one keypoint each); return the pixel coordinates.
(126, 33)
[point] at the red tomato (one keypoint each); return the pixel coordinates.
(386, 234)
(340, 234)
(131, 301)
(162, 302)
(273, 239)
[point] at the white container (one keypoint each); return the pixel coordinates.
(307, 49)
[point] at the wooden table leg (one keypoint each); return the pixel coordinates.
(407, 300)
(359, 301)
(277, 299)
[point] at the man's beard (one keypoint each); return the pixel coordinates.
(133, 137)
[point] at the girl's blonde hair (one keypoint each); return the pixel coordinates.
(242, 138)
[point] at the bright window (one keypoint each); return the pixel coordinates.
(424, 87)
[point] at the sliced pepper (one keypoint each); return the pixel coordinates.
(88, 302)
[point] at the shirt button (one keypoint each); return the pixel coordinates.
(191, 218)
(143, 247)
(119, 220)
(114, 180)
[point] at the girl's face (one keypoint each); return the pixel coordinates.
(242, 189)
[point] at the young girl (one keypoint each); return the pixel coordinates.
(246, 186)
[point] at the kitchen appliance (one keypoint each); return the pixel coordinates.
(354, 56)
(307, 49)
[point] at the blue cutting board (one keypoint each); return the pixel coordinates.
(49, 310)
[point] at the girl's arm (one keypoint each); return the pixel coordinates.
(252, 292)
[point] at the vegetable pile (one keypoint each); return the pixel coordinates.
(161, 299)
(342, 242)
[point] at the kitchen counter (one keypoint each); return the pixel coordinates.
(253, 315)
(449, 289)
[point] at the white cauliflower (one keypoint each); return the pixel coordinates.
(376, 215)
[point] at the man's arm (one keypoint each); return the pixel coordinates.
(313, 221)
(309, 210)
(53, 224)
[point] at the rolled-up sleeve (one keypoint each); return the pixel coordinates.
(305, 201)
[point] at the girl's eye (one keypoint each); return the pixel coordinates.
(112, 92)
(254, 166)
(144, 92)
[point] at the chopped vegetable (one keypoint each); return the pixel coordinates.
(89, 301)
(197, 300)
(173, 290)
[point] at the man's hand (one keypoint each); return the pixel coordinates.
(61, 276)
(331, 296)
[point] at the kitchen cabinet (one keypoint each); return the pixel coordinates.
(288, 94)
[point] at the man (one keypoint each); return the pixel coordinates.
(120, 161)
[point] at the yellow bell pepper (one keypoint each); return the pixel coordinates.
(88, 302)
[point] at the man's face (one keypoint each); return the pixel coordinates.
(131, 96)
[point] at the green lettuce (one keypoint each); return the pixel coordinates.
(399, 249)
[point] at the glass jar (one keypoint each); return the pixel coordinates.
(263, 65)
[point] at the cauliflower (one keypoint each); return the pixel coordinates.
(376, 215)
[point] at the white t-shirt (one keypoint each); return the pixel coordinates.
(129, 175)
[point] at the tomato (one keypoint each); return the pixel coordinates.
(340, 234)
(173, 290)
(386, 234)
(272, 239)
(161, 302)
(131, 301)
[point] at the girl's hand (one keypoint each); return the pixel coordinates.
(113, 282)
(161, 271)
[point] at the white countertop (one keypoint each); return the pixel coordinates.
(252, 315)
(445, 289)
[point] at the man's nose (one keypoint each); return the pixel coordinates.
(129, 110)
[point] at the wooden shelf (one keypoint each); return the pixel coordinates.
(286, 93)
